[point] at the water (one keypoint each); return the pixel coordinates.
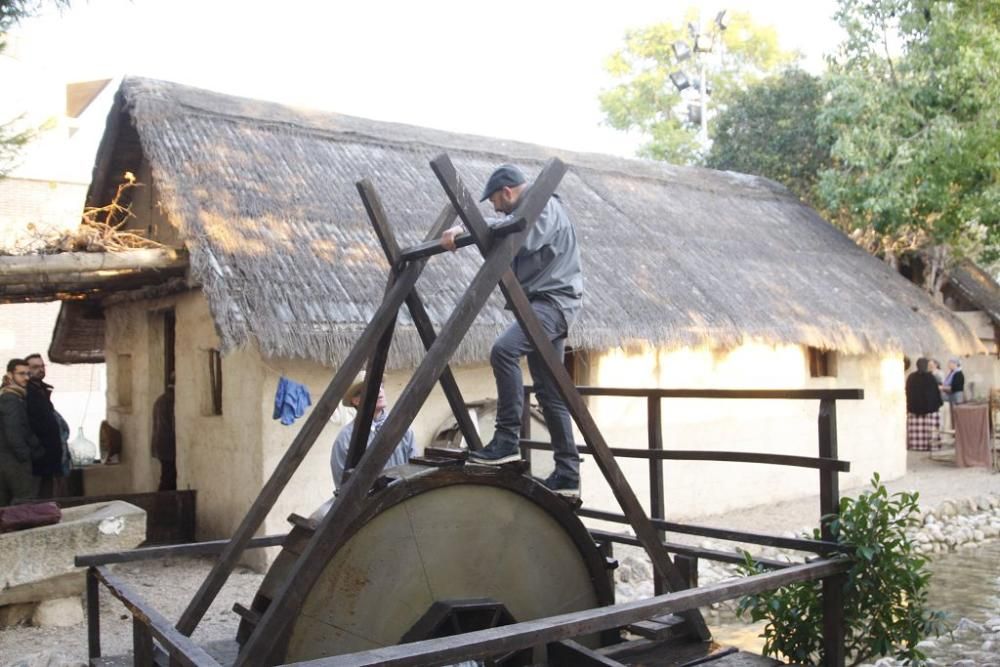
(965, 584)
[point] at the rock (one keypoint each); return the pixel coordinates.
(923, 538)
(947, 509)
(965, 626)
(16, 614)
(927, 644)
(993, 623)
(930, 519)
(978, 535)
(37, 564)
(987, 646)
(964, 663)
(59, 613)
(47, 659)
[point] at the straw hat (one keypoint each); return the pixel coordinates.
(354, 391)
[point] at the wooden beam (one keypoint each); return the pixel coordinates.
(799, 544)
(754, 394)
(207, 548)
(518, 301)
(433, 247)
(418, 313)
(688, 550)
(297, 450)
(306, 570)
(81, 263)
(373, 387)
(93, 615)
(182, 650)
(492, 641)
(709, 455)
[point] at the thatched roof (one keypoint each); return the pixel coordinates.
(976, 287)
(263, 196)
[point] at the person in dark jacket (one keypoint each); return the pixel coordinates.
(45, 426)
(18, 445)
(923, 402)
(164, 444)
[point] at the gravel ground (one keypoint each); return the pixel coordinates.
(170, 584)
(936, 480)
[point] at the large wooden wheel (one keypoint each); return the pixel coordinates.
(437, 552)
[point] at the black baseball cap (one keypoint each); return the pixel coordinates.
(504, 176)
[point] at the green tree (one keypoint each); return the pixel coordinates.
(770, 130)
(13, 136)
(912, 120)
(644, 99)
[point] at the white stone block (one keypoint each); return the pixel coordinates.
(59, 613)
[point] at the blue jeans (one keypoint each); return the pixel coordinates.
(505, 357)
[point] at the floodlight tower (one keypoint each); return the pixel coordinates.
(704, 43)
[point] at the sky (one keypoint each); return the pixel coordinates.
(526, 70)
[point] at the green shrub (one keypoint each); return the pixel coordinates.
(885, 597)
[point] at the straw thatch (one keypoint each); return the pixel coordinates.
(976, 287)
(263, 196)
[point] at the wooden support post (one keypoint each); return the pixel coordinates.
(418, 313)
(93, 614)
(467, 209)
(654, 424)
(297, 450)
(142, 643)
(307, 568)
(373, 386)
(829, 499)
(829, 483)
(833, 620)
(688, 567)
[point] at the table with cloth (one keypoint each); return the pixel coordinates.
(972, 435)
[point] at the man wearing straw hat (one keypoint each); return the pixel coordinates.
(548, 268)
(342, 445)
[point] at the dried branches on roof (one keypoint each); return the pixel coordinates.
(101, 229)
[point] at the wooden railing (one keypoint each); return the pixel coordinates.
(174, 648)
(826, 463)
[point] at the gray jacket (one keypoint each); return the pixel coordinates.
(342, 445)
(548, 264)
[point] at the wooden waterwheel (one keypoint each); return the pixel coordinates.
(436, 552)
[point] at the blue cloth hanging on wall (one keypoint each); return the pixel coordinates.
(290, 401)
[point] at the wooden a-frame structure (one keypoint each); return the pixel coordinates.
(498, 245)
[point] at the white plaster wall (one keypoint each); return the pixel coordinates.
(229, 457)
(126, 333)
(871, 432)
(217, 455)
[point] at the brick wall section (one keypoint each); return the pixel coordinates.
(27, 328)
(48, 205)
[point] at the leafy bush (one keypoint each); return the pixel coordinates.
(885, 597)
